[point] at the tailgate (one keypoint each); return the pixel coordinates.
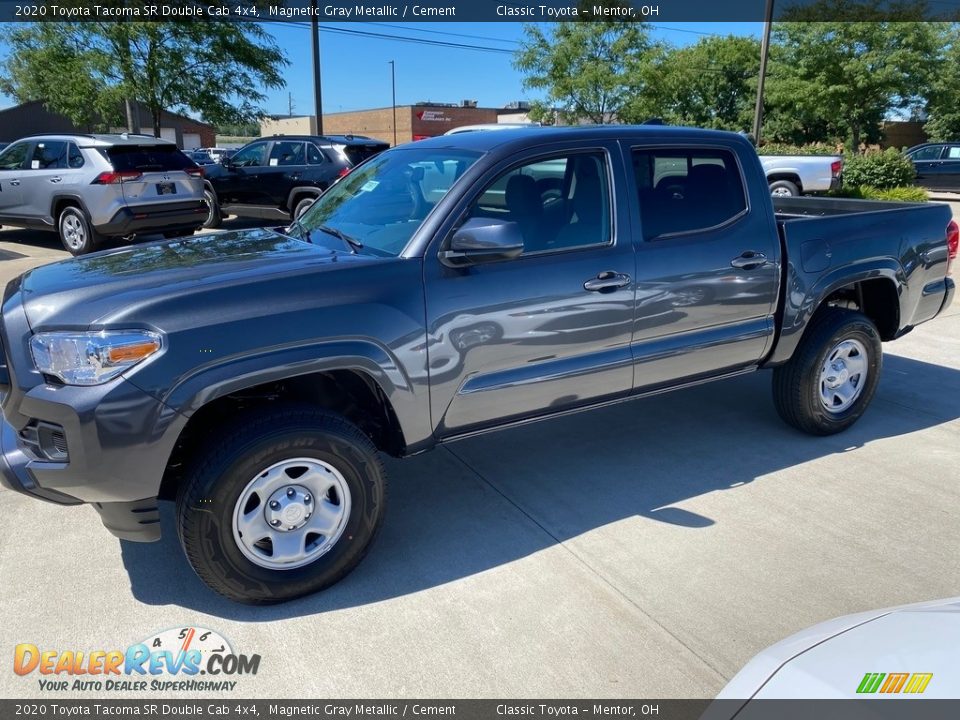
(163, 177)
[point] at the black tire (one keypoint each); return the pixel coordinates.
(211, 490)
(797, 384)
(76, 234)
(214, 218)
(301, 206)
(784, 188)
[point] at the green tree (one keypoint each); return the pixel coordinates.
(943, 106)
(590, 71)
(711, 84)
(839, 80)
(85, 70)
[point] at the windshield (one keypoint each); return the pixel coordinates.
(382, 203)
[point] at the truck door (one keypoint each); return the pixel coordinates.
(707, 265)
(546, 330)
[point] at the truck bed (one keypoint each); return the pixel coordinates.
(788, 208)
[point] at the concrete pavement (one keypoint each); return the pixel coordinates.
(644, 550)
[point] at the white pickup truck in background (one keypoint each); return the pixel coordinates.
(790, 175)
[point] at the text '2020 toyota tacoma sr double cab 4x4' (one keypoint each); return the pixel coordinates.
(443, 288)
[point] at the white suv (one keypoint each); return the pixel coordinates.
(90, 187)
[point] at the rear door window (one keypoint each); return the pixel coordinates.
(953, 152)
(49, 155)
(148, 158)
(687, 190)
(286, 153)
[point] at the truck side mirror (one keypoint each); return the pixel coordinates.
(481, 240)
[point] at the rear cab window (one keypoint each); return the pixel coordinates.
(147, 158)
(684, 190)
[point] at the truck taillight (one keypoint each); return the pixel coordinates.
(835, 167)
(343, 172)
(115, 178)
(953, 240)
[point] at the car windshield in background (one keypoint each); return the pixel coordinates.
(382, 203)
(147, 158)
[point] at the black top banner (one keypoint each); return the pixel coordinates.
(417, 11)
(317, 709)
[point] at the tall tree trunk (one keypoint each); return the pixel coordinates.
(155, 112)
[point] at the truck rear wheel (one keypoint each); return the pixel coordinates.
(784, 188)
(281, 506)
(831, 378)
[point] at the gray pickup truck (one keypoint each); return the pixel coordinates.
(444, 288)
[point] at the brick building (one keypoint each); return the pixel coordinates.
(414, 122)
(32, 118)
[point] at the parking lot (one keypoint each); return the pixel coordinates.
(644, 550)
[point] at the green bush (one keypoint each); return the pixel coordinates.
(865, 192)
(876, 169)
(820, 148)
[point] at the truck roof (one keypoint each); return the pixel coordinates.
(486, 141)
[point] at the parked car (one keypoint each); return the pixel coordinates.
(91, 187)
(441, 289)
(902, 652)
(218, 154)
(200, 157)
(482, 127)
(937, 165)
(280, 176)
(792, 175)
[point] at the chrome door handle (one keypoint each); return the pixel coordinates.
(56, 179)
(749, 260)
(607, 281)
(15, 183)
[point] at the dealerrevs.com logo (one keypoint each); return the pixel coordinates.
(170, 661)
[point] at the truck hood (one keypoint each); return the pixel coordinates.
(105, 286)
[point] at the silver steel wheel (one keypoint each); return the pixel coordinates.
(301, 208)
(781, 192)
(72, 231)
(843, 376)
(211, 206)
(291, 514)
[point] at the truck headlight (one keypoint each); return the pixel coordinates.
(91, 358)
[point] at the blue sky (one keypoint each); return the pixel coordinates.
(356, 75)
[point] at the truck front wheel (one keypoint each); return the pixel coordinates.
(281, 506)
(831, 378)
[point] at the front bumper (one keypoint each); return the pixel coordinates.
(156, 218)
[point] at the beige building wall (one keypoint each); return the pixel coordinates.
(303, 125)
(376, 123)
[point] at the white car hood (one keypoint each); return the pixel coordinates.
(830, 660)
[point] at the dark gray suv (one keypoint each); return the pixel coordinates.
(91, 187)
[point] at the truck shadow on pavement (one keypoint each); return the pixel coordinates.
(481, 503)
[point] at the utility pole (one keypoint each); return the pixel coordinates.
(393, 90)
(315, 41)
(764, 52)
(290, 104)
